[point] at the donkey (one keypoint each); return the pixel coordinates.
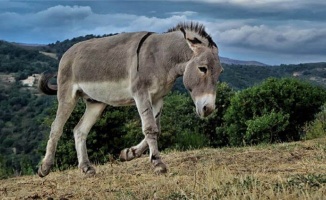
(131, 69)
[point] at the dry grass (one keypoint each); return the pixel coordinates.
(283, 171)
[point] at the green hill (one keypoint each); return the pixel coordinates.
(243, 76)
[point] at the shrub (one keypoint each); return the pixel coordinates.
(275, 110)
(265, 128)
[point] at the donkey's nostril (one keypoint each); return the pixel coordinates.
(205, 108)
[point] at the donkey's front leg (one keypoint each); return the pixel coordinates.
(151, 131)
(137, 150)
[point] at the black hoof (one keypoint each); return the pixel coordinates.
(160, 168)
(43, 171)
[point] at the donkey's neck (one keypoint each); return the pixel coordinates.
(177, 55)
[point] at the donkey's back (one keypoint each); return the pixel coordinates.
(101, 59)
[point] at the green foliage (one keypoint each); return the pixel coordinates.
(24, 62)
(178, 119)
(317, 128)
(266, 127)
(21, 129)
(277, 108)
(244, 76)
(4, 169)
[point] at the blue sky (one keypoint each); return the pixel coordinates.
(269, 31)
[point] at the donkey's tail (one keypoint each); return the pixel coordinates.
(44, 85)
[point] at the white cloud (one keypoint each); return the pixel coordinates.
(284, 39)
(70, 12)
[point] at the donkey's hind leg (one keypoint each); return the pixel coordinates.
(92, 113)
(134, 151)
(65, 108)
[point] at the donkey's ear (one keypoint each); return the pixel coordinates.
(192, 40)
(195, 44)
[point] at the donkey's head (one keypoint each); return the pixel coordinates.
(202, 70)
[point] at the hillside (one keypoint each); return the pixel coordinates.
(280, 171)
(23, 61)
(244, 76)
(22, 109)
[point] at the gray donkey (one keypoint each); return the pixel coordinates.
(131, 69)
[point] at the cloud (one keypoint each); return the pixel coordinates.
(61, 14)
(277, 39)
(62, 22)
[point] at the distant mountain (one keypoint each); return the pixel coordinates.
(230, 61)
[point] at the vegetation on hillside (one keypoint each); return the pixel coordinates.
(23, 62)
(244, 76)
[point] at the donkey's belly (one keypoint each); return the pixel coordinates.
(112, 93)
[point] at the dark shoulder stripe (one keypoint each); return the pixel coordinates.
(140, 44)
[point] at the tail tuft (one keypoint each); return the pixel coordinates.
(44, 86)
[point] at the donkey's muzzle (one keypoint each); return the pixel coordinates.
(205, 105)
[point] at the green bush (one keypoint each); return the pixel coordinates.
(275, 110)
(265, 128)
(317, 128)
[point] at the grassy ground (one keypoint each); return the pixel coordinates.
(282, 171)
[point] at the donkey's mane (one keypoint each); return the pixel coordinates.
(197, 28)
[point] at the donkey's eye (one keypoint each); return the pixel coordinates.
(203, 69)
